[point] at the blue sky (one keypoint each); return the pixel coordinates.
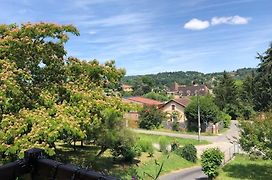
(150, 36)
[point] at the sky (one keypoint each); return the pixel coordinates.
(151, 36)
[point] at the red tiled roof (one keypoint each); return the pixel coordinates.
(184, 101)
(145, 101)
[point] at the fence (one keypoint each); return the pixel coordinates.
(230, 152)
(38, 167)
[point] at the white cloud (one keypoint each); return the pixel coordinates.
(234, 20)
(196, 24)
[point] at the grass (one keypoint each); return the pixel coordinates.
(86, 157)
(180, 141)
(242, 167)
(191, 132)
(171, 163)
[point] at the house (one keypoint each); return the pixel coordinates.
(127, 88)
(175, 109)
(192, 90)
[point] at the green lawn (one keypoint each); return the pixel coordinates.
(86, 157)
(245, 169)
(171, 163)
(180, 141)
(224, 130)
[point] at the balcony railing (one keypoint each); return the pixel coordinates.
(38, 167)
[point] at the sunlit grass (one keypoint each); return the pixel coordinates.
(180, 141)
(242, 167)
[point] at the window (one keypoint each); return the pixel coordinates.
(173, 107)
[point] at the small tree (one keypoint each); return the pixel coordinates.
(209, 111)
(150, 118)
(211, 159)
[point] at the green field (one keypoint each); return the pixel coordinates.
(180, 141)
(242, 167)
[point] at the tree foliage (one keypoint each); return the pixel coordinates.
(263, 82)
(157, 96)
(150, 118)
(45, 98)
(226, 95)
(256, 135)
(208, 110)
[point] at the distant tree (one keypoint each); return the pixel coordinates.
(209, 110)
(157, 96)
(263, 82)
(150, 118)
(226, 95)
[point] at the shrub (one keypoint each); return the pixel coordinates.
(130, 153)
(150, 118)
(174, 146)
(124, 146)
(225, 118)
(211, 159)
(175, 126)
(188, 152)
(163, 144)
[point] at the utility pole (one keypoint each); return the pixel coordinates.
(198, 115)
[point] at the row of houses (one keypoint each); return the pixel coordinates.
(173, 108)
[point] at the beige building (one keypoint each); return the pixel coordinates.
(175, 109)
(127, 88)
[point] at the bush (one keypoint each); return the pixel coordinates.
(174, 146)
(188, 152)
(124, 146)
(175, 126)
(150, 118)
(163, 144)
(130, 153)
(225, 118)
(211, 159)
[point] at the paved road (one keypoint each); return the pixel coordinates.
(186, 174)
(233, 131)
(223, 142)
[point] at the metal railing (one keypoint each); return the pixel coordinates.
(231, 152)
(39, 167)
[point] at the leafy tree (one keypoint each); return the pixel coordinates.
(45, 98)
(150, 118)
(263, 82)
(256, 134)
(209, 110)
(226, 95)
